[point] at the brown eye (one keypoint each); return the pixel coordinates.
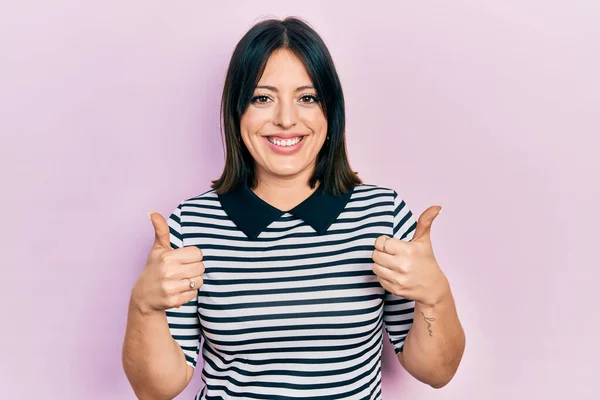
(309, 98)
(260, 99)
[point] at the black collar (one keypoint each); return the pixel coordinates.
(252, 214)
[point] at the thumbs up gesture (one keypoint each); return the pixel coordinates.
(171, 277)
(409, 269)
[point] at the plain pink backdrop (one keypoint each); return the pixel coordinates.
(109, 109)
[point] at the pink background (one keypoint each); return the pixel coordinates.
(109, 109)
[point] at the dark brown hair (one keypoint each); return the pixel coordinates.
(245, 70)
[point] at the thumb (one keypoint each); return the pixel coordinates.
(423, 231)
(162, 236)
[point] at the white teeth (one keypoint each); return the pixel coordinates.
(285, 142)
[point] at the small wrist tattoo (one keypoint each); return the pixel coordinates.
(428, 321)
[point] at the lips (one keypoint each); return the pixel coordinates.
(284, 149)
(284, 136)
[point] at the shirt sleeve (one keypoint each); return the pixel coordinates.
(398, 312)
(184, 323)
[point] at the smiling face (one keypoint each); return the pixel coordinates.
(284, 127)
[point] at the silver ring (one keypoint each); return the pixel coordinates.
(386, 238)
(192, 283)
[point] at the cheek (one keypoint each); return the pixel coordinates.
(252, 120)
(315, 120)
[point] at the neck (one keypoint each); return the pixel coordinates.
(284, 193)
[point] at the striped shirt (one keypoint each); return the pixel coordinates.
(290, 307)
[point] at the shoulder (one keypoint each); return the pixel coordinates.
(366, 189)
(381, 194)
(206, 203)
(207, 198)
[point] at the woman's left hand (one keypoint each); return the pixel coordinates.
(409, 269)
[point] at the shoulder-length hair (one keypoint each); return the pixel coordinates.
(245, 70)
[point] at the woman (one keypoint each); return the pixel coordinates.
(290, 267)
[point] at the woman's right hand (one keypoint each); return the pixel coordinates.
(165, 281)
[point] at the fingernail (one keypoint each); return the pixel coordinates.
(150, 214)
(441, 208)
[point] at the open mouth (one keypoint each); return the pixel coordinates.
(285, 142)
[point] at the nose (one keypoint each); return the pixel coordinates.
(285, 115)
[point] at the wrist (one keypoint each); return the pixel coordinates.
(139, 307)
(439, 296)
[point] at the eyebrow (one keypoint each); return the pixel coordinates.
(274, 89)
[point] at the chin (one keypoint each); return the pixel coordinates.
(287, 171)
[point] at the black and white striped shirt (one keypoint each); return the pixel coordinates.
(290, 307)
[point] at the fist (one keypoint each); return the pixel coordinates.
(410, 269)
(171, 277)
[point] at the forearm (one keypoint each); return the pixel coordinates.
(154, 363)
(435, 343)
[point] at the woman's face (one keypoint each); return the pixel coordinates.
(284, 127)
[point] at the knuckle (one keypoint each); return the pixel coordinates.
(406, 266)
(173, 302)
(400, 268)
(165, 290)
(163, 272)
(398, 282)
(166, 257)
